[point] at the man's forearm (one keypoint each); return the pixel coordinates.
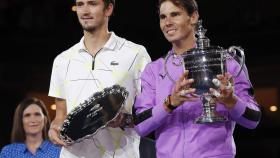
(61, 109)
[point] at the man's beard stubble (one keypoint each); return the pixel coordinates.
(89, 28)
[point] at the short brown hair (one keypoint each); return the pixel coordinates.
(18, 133)
(107, 2)
(189, 5)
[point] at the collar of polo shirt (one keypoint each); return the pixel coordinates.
(113, 43)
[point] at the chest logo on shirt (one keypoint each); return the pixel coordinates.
(114, 63)
(162, 75)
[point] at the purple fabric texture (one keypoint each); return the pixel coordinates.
(176, 133)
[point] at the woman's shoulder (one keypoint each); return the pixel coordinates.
(49, 144)
(12, 148)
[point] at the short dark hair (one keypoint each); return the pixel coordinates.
(107, 2)
(18, 133)
(189, 5)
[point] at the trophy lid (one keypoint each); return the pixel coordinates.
(202, 41)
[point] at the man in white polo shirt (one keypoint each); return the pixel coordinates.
(101, 59)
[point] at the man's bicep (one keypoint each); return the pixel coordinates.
(58, 78)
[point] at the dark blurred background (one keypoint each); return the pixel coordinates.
(33, 32)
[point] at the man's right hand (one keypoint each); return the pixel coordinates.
(54, 132)
(182, 91)
(61, 112)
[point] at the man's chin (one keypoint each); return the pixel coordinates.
(88, 28)
(170, 39)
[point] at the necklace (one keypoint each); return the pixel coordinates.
(177, 60)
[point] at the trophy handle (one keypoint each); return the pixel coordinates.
(232, 52)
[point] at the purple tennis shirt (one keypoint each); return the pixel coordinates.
(177, 136)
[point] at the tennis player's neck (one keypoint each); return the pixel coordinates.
(95, 41)
(181, 46)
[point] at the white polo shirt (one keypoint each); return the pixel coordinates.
(76, 75)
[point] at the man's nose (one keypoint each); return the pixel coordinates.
(168, 21)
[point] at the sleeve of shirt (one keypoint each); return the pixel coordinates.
(142, 60)
(145, 102)
(246, 111)
(58, 79)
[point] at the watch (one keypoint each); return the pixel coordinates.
(167, 102)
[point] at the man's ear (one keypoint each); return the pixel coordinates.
(109, 10)
(194, 17)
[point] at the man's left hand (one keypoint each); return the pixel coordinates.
(226, 94)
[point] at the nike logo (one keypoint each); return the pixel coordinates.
(114, 63)
(162, 76)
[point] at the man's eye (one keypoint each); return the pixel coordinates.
(92, 3)
(162, 16)
(175, 14)
(79, 4)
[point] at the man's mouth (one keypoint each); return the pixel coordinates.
(171, 31)
(86, 18)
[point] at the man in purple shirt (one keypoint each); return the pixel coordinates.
(172, 107)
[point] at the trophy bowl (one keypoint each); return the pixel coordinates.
(204, 63)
